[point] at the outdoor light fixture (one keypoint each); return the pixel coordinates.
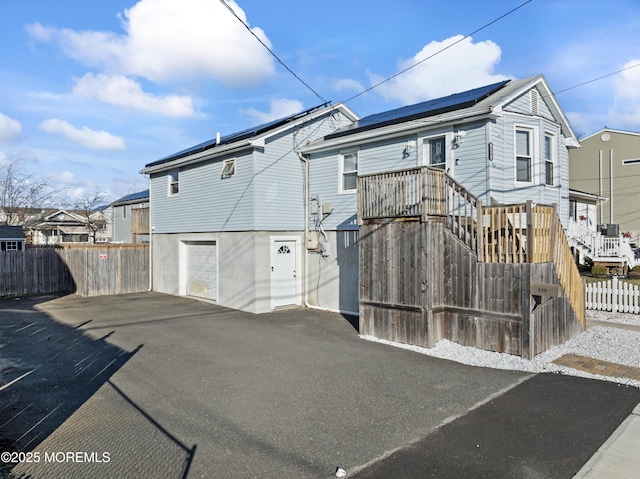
(457, 139)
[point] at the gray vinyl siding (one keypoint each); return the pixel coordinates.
(279, 179)
(205, 202)
(376, 157)
(264, 194)
(471, 161)
(324, 183)
(122, 224)
(522, 104)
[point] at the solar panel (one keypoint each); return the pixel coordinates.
(457, 101)
(234, 137)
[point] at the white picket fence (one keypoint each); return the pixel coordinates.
(613, 295)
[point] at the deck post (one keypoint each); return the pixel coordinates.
(531, 235)
(480, 232)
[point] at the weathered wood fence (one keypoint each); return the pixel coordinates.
(437, 264)
(87, 270)
(613, 295)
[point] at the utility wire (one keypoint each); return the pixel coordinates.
(271, 51)
(599, 78)
(439, 51)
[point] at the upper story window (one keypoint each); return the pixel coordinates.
(524, 155)
(348, 171)
(435, 152)
(124, 212)
(174, 182)
(228, 168)
(549, 160)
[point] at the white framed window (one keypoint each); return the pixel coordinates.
(549, 159)
(11, 246)
(124, 212)
(228, 168)
(174, 182)
(524, 154)
(348, 171)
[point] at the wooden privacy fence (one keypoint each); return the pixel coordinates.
(613, 295)
(88, 270)
(518, 234)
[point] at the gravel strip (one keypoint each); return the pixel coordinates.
(621, 318)
(608, 344)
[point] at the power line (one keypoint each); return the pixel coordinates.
(599, 78)
(271, 51)
(439, 51)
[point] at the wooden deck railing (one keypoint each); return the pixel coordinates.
(497, 233)
(140, 221)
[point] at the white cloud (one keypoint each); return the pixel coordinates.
(10, 129)
(279, 109)
(347, 84)
(95, 140)
(168, 40)
(461, 67)
(626, 107)
(123, 92)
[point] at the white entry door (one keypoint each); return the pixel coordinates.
(283, 273)
(202, 269)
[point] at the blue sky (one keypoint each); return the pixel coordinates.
(88, 96)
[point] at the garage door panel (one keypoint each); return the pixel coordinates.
(202, 274)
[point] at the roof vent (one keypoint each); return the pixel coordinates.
(534, 101)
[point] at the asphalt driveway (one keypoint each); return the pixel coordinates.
(149, 385)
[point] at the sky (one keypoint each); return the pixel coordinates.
(89, 96)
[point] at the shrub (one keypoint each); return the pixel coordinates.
(614, 271)
(636, 269)
(599, 270)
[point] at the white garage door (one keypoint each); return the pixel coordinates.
(202, 269)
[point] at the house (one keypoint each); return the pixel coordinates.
(505, 143)
(12, 238)
(607, 166)
(131, 218)
(65, 226)
(228, 215)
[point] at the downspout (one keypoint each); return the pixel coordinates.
(305, 294)
(150, 242)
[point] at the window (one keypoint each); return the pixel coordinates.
(524, 158)
(124, 212)
(228, 168)
(174, 180)
(348, 172)
(436, 153)
(631, 162)
(10, 246)
(548, 160)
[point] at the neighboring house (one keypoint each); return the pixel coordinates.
(12, 238)
(607, 166)
(63, 226)
(507, 143)
(228, 215)
(131, 218)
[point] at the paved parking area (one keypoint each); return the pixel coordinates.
(149, 385)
